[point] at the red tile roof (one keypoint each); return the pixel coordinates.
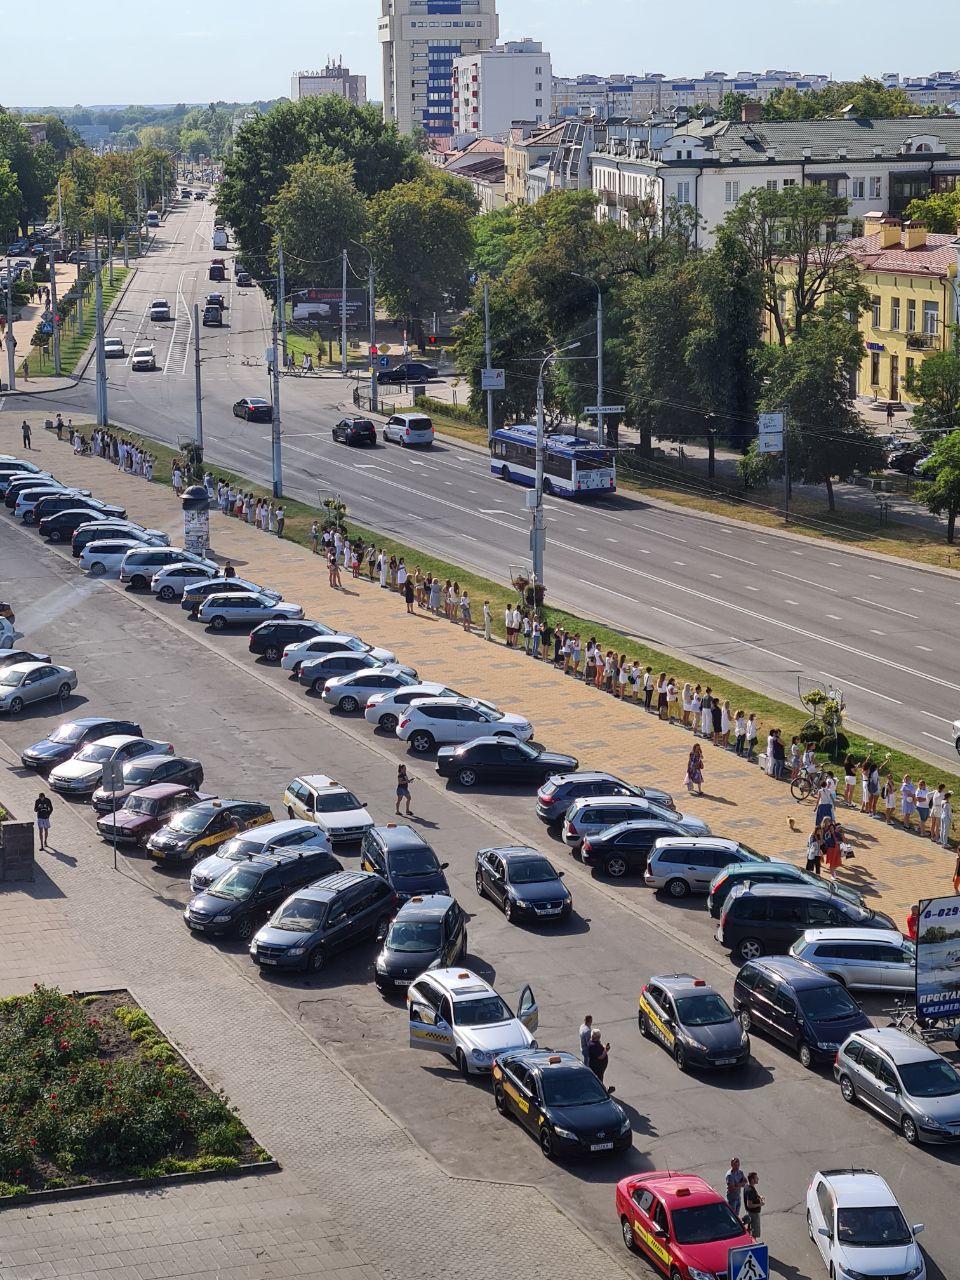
(935, 258)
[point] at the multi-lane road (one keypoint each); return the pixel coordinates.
(759, 607)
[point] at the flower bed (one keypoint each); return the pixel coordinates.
(91, 1092)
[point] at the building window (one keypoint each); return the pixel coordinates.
(931, 318)
(874, 368)
(911, 316)
(910, 363)
(789, 182)
(772, 184)
(731, 192)
(894, 313)
(683, 192)
(857, 188)
(875, 308)
(875, 188)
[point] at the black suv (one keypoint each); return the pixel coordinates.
(623, 850)
(271, 638)
(67, 739)
(355, 431)
(62, 525)
(427, 932)
(55, 502)
(771, 917)
(242, 896)
(412, 371)
(333, 913)
(404, 859)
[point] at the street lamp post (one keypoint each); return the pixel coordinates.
(601, 427)
(538, 532)
(372, 303)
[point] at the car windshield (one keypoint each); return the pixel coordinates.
(704, 1223)
(414, 935)
(481, 1011)
(413, 862)
(827, 1004)
(298, 915)
(880, 1226)
(531, 871)
(240, 847)
(935, 1078)
(706, 1010)
(138, 773)
(11, 677)
(237, 883)
(67, 733)
(337, 802)
(570, 1087)
(190, 821)
(95, 753)
(141, 804)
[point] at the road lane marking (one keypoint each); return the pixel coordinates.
(726, 555)
(946, 741)
(924, 648)
(806, 581)
(653, 608)
(772, 652)
(795, 603)
(889, 608)
(834, 617)
(874, 632)
(932, 716)
(863, 689)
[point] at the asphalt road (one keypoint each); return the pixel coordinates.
(254, 731)
(745, 602)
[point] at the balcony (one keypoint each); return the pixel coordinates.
(607, 195)
(923, 341)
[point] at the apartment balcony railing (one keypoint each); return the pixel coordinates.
(923, 341)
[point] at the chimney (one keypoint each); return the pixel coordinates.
(751, 113)
(882, 225)
(914, 235)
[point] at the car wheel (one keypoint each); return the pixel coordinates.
(546, 1142)
(290, 814)
(500, 1102)
(98, 569)
(315, 960)
(317, 686)
(805, 1054)
(749, 949)
(626, 1231)
(349, 704)
(56, 535)
(139, 582)
(462, 1064)
(16, 706)
(480, 889)
(504, 473)
(422, 742)
(680, 1056)
(63, 691)
(909, 1130)
(166, 593)
(548, 487)
(218, 622)
(509, 911)
(809, 1225)
(388, 723)
(271, 653)
(244, 928)
(467, 777)
(847, 1090)
(386, 438)
(677, 888)
(616, 867)
(745, 1020)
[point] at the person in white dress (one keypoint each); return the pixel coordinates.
(725, 725)
(706, 714)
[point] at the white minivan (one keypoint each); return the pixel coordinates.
(408, 429)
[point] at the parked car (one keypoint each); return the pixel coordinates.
(432, 722)
(306, 650)
(770, 872)
(146, 771)
(348, 693)
(235, 609)
(244, 278)
(145, 811)
(105, 556)
(195, 594)
(317, 798)
(60, 526)
(678, 1223)
(858, 1227)
(559, 792)
(385, 707)
(404, 859)
(623, 850)
(68, 738)
(173, 579)
(524, 884)
(871, 959)
(55, 502)
(769, 918)
(141, 563)
(429, 931)
(286, 834)
(680, 866)
(692, 1021)
(902, 1080)
(98, 529)
(197, 831)
(253, 409)
(320, 919)
(407, 429)
(11, 657)
(27, 682)
(83, 772)
(589, 817)
(458, 1014)
(270, 639)
(500, 759)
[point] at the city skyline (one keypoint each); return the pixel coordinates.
(192, 60)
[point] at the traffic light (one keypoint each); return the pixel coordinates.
(433, 340)
(373, 349)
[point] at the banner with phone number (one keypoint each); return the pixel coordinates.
(938, 959)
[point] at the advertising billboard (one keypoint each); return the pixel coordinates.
(938, 959)
(322, 306)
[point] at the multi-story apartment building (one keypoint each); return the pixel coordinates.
(877, 165)
(494, 87)
(419, 41)
(335, 78)
(941, 89)
(637, 96)
(527, 147)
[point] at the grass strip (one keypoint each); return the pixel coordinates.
(73, 343)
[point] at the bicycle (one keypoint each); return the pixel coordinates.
(805, 784)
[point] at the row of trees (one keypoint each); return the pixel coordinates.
(866, 99)
(98, 191)
(27, 174)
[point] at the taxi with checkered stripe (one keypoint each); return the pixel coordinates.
(679, 1224)
(458, 1014)
(692, 1021)
(197, 831)
(561, 1102)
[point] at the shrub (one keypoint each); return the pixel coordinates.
(13, 1189)
(222, 1139)
(53, 1184)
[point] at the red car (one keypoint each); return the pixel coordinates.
(679, 1223)
(146, 811)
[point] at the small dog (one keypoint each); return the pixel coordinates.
(792, 825)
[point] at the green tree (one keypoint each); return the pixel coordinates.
(518, 339)
(939, 212)
(9, 202)
(732, 104)
(315, 215)
(421, 241)
(866, 99)
(196, 143)
(939, 490)
(495, 241)
(60, 136)
(35, 168)
(935, 384)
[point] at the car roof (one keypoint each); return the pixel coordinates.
(154, 757)
(215, 805)
(677, 982)
(396, 835)
(94, 720)
(546, 1059)
(773, 890)
(323, 890)
(425, 907)
(269, 830)
(799, 973)
(24, 667)
(695, 842)
(858, 1188)
(635, 824)
(320, 782)
(119, 739)
(460, 984)
(901, 1047)
(588, 775)
(514, 851)
(853, 935)
(585, 802)
(159, 789)
(679, 1190)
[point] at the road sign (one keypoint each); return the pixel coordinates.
(384, 348)
(268, 355)
(492, 380)
(606, 408)
(770, 432)
(384, 362)
(112, 775)
(749, 1262)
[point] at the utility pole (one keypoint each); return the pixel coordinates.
(343, 314)
(275, 422)
(486, 345)
(163, 190)
(79, 281)
(373, 336)
(102, 415)
(601, 419)
(282, 305)
(11, 341)
(139, 222)
(110, 241)
(538, 532)
(786, 471)
(54, 308)
(196, 376)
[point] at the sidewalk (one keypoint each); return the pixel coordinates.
(23, 330)
(892, 868)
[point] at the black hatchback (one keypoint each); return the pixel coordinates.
(624, 849)
(269, 639)
(67, 739)
(359, 431)
(495, 759)
(428, 932)
(404, 859)
(769, 918)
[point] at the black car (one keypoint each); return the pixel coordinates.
(360, 431)
(242, 896)
(19, 484)
(623, 849)
(429, 931)
(67, 739)
(94, 529)
(404, 859)
(500, 760)
(253, 409)
(523, 883)
(62, 525)
(559, 792)
(769, 918)
(148, 771)
(692, 1021)
(561, 1102)
(57, 502)
(412, 371)
(271, 638)
(216, 300)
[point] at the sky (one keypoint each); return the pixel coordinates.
(185, 51)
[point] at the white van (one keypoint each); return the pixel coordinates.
(219, 238)
(153, 218)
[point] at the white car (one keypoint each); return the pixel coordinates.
(386, 709)
(956, 735)
(27, 499)
(243, 608)
(336, 810)
(141, 563)
(106, 555)
(433, 722)
(24, 682)
(143, 358)
(160, 309)
(456, 1013)
(8, 633)
(854, 1220)
(114, 347)
(318, 646)
(170, 582)
(350, 692)
(83, 773)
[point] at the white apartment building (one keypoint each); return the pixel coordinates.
(637, 96)
(419, 41)
(939, 89)
(335, 78)
(494, 87)
(877, 165)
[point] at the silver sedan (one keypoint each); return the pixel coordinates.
(33, 682)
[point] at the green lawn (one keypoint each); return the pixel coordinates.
(73, 343)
